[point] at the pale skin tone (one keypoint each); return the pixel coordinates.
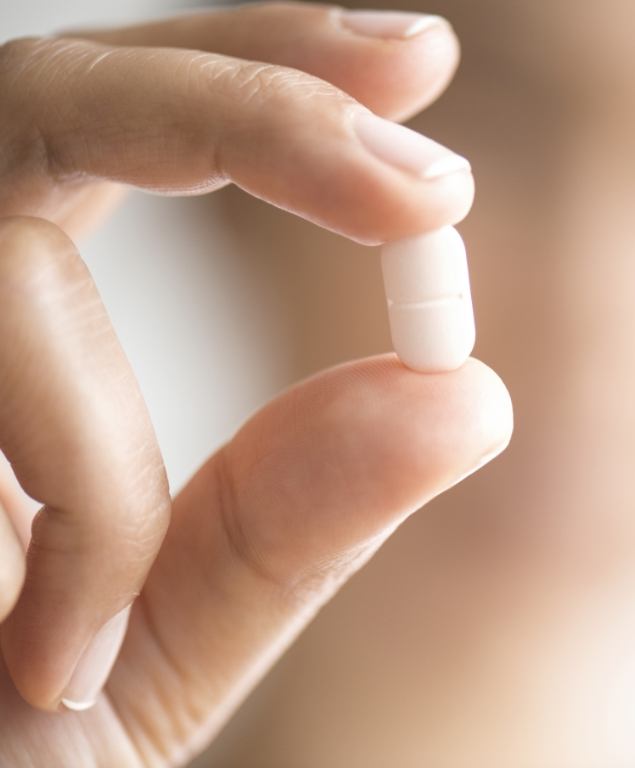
(225, 577)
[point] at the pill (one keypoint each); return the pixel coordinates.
(429, 300)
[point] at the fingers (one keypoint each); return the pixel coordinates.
(276, 521)
(11, 565)
(178, 121)
(74, 426)
(394, 63)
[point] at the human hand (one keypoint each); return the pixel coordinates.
(311, 486)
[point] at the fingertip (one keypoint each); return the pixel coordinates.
(378, 202)
(398, 77)
(419, 434)
(492, 406)
(394, 62)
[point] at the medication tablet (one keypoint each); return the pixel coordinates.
(429, 300)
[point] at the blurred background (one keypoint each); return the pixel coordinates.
(496, 629)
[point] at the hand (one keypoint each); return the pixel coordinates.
(312, 485)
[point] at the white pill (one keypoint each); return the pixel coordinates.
(429, 300)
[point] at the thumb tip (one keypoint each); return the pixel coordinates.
(491, 414)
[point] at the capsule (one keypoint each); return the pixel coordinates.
(429, 300)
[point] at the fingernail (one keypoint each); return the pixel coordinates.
(406, 149)
(388, 24)
(95, 664)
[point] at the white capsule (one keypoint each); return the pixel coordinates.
(429, 300)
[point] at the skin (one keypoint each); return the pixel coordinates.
(223, 577)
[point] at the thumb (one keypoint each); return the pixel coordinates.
(303, 495)
(342, 460)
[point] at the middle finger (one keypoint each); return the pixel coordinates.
(394, 63)
(183, 122)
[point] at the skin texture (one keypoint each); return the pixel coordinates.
(310, 487)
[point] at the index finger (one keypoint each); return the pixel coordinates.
(185, 122)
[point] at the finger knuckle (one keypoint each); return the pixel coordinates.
(18, 51)
(265, 101)
(256, 558)
(259, 84)
(238, 542)
(266, 83)
(25, 75)
(33, 252)
(292, 582)
(32, 72)
(255, 82)
(22, 55)
(19, 132)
